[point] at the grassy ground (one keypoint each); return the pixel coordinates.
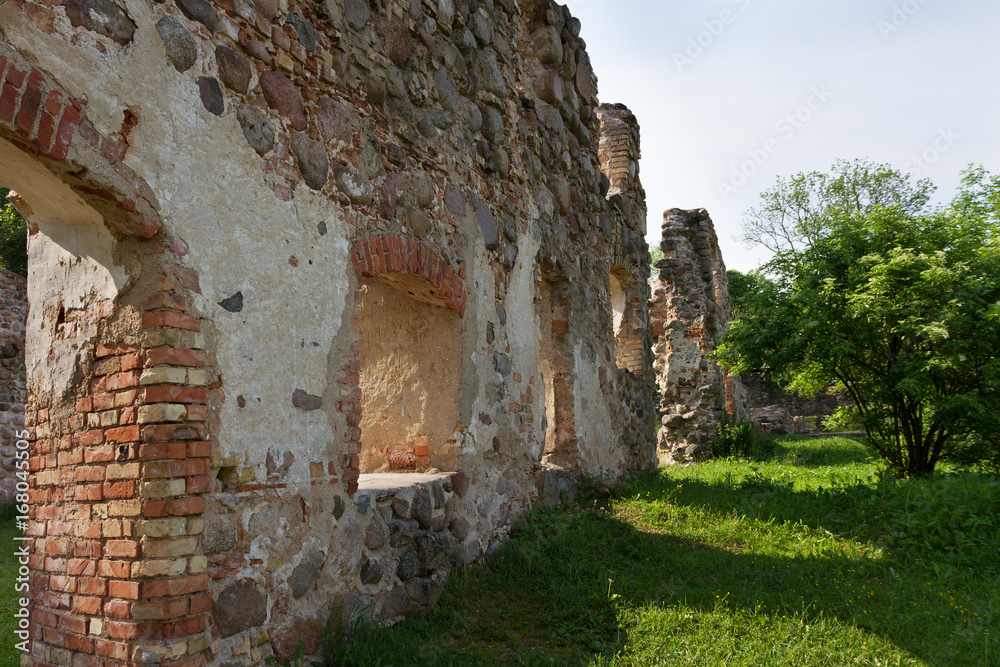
(8, 596)
(810, 558)
(807, 559)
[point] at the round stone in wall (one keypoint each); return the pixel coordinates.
(180, 46)
(211, 95)
(310, 155)
(256, 128)
(371, 572)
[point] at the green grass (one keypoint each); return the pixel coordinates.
(8, 596)
(810, 558)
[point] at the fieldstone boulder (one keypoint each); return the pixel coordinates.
(377, 535)
(491, 233)
(305, 572)
(233, 69)
(394, 603)
(546, 45)
(200, 11)
(178, 42)
(101, 16)
(305, 631)
(256, 128)
(422, 507)
(433, 551)
(409, 565)
(371, 572)
(459, 528)
(282, 96)
(774, 420)
(211, 95)
(240, 606)
(218, 536)
(334, 120)
(312, 160)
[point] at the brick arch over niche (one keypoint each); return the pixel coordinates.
(413, 266)
(409, 301)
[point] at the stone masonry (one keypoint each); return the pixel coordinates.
(690, 310)
(270, 240)
(619, 157)
(13, 389)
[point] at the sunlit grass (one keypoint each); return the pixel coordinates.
(811, 558)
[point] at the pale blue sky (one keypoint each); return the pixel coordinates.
(882, 79)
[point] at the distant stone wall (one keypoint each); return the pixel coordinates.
(761, 393)
(13, 388)
(689, 312)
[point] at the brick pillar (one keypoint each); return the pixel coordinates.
(171, 604)
(118, 497)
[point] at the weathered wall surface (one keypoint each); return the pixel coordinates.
(210, 187)
(13, 387)
(619, 153)
(690, 311)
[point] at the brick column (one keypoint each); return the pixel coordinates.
(118, 497)
(171, 604)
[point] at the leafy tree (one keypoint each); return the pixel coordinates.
(899, 305)
(746, 288)
(13, 237)
(803, 209)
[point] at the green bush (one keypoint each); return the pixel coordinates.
(740, 439)
(13, 237)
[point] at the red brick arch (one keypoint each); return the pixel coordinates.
(412, 265)
(43, 120)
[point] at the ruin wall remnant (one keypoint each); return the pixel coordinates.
(258, 231)
(13, 388)
(619, 153)
(690, 311)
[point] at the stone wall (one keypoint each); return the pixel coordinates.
(762, 394)
(619, 153)
(690, 311)
(210, 188)
(13, 389)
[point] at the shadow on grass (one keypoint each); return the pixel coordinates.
(552, 596)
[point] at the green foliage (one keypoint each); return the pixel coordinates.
(655, 255)
(951, 521)
(801, 210)
(9, 596)
(740, 439)
(898, 306)
(747, 289)
(13, 237)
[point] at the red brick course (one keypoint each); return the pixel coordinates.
(414, 266)
(35, 108)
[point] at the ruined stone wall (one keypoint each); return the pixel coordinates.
(210, 186)
(619, 153)
(13, 389)
(690, 311)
